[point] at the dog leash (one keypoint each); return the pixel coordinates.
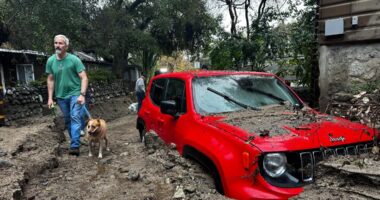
(87, 113)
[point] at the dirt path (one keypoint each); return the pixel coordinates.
(112, 177)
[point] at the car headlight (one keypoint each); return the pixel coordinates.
(274, 164)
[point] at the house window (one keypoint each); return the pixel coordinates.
(25, 73)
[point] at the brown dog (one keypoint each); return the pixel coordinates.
(97, 133)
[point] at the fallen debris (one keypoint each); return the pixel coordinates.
(270, 120)
(363, 107)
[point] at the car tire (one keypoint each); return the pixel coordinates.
(142, 133)
(208, 164)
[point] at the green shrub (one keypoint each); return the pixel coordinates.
(39, 82)
(101, 75)
(369, 87)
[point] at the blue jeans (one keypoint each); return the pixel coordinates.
(74, 118)
(140, 98)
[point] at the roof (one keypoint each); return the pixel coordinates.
(23, 52)
(90, 58)
(82, 56)
(211, 73)
(85, 57)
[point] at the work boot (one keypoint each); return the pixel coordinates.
(74, 151)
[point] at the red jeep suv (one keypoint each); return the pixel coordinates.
(255, 136)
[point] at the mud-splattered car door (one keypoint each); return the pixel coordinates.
(151, 110)
(167, 124)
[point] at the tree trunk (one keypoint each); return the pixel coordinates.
(247, 3)
(233, 16)
(149, 60)
(120, 63)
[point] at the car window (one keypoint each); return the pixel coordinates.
(176, 91)
(157, 91)
(217, 94)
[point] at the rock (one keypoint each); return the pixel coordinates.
(360, 94)
(45, 183)
(106, 161)
(342, 97)
(367, 161)
(172, 146)
(365, 100)
(133, 175)
(147, 182)
(151, 151)
(32, 198)
(4, 164)
(169, 165)
(179, 193)
(343, 184)
(124, 154)
(17, 194)
(3, 153)
(123, 170)
(375, 150)
(190, 189)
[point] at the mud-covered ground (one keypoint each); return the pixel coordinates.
(351, 177)
(34, 164)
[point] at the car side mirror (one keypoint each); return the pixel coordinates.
(169, 107)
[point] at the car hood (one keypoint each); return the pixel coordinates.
(280, 128)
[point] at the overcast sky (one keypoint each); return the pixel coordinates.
(216, 7)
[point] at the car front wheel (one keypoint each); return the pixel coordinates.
(142, 133)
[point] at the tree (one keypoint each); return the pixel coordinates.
(121, 31)
(4, 31)
(34, 23)
(145, 29)
(259, 44)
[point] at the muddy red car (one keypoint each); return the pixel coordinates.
(255, 136)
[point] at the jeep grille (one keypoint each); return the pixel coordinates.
(301, 165)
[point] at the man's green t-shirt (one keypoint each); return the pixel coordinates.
(65, 72)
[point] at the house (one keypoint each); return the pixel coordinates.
(349, 46)
(20, 66)
(24, 66)
(130, 74)
(92, 62)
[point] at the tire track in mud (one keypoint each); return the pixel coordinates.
(27, 157)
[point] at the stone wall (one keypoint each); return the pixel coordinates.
(346, 67)
(28, 101)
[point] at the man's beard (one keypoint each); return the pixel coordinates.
(58, 51)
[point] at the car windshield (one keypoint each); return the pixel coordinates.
(218, 94)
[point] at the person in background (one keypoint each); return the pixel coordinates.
(140, 90)
(67, 80)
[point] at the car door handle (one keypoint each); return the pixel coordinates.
(147, 112)
(161, 120)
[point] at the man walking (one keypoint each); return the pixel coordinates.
(68, 80)
(140, 90)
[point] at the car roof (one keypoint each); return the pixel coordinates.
(202, 73)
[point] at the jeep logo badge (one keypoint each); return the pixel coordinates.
(336, 139)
